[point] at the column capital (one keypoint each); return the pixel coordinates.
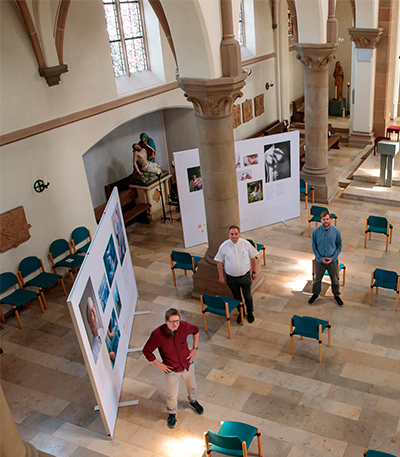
(315, 56)
(365, 38)
(213, 98)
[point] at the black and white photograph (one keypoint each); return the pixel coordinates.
(104, 292)
(110, 260)
(119, 234)
(91, 319)
(277, 161)
(254, 191)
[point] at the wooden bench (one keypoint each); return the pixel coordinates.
(333, 141)
(127, 196)
(271, 129)
(298, 110)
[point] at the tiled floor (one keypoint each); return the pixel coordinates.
(340, 407)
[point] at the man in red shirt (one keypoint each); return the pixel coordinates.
(177, 359)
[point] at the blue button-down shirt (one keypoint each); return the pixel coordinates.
(326, 243)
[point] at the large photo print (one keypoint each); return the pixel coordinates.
(277, 161)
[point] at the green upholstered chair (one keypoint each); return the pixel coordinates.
(233, 438)
(18, 296)
(183, 261)
(222, 306)
(306, 189)
(61, 249)
(377, 454)
(314, 215)
(32, 267)
(310, 327)
(259, 247)
(81, 236)
(377, 224)
(341, 267)
(386, 279)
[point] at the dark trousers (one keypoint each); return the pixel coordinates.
(241, 285)
(333, 270)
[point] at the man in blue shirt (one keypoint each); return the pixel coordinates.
(326, 242)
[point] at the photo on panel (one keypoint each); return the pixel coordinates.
(119, 233)
(194, 178)
(110, 260)
(254, 191)
(277, 161)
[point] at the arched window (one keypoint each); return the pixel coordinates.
(126, 36)
(241, 25)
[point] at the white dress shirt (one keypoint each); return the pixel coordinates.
(236, 256)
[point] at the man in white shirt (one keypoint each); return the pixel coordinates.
(238, 257)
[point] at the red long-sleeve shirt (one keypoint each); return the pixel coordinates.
(173, 349)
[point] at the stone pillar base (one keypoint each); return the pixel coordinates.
(326, 184)
(360, 139)
(205, 280)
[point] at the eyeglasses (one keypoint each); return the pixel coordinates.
(174, 322)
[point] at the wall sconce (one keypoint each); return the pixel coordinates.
(268, 85)
(40, 186)
(247, 71)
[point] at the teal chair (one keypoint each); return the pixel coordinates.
(377, 454)
(62, 248)
(314, 215)
(18, 298)
(233, 438)
(78, 236)
(259, 247)
(386, 279)
(310, 327)
(377, 224)
(43, 280)
(183, 261)
(306, 189)
(222, 306)
(341, 267)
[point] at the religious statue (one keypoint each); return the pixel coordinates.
(141, 165)
(147, 143)
(338, 74)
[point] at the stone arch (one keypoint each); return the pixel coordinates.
(312, 21)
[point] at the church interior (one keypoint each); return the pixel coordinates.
(70, 112)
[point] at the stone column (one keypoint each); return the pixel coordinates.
(11, 444)
(363, 84)
(213, 102)
(316, 171)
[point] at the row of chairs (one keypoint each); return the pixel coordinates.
(32, 274)
(373, 224)
(235, 438)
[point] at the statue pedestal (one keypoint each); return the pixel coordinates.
(336, 107)
(149, 192)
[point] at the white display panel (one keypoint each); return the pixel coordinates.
(105, 286)
(268, 184)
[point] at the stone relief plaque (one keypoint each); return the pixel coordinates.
(237, 118)
(247, 108)
(259, 105)
(14, 229)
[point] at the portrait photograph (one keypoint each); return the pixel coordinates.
(277, 161)
(112, 338)
(254, 191)
(104, 292)
(119, 233)
(237, 159)
(110, 260)
(91, 317)
(251, 159)
(117, 299)
(194, 178)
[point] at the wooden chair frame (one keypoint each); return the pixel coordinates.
(173, 269)
(319, 338)
(53, 264)
(377, 287)
(227, 315)
(312, 189)
(389, 232)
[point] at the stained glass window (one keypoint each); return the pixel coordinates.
(241, 25)
(290, 23)
(125, 34)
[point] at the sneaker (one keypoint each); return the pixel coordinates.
(171, 421)
(250, 318)
(338, 300)
(197, 408)
(312, 299)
